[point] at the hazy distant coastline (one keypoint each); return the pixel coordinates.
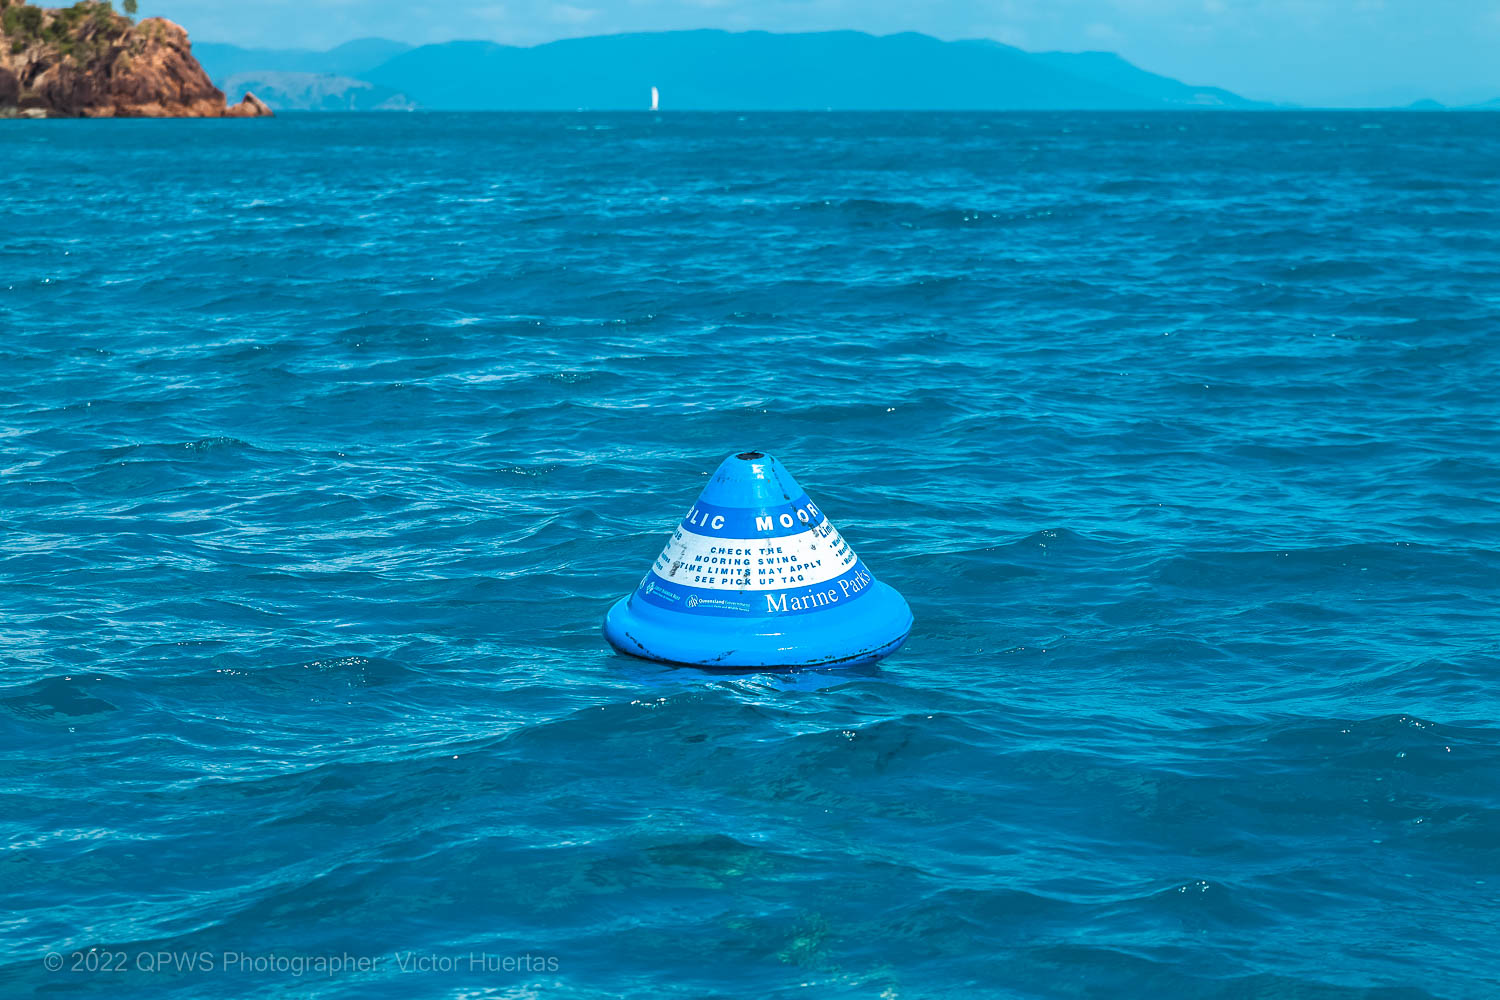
(704, 70)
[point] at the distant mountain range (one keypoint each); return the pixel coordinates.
(350, 59)
(701, 71)
(1428, 104)
(316, 92)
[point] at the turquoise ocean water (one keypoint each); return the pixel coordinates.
(327, 442)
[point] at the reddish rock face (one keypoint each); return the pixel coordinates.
(250, 107)
(86, 61)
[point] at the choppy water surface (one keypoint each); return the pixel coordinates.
(327, 441)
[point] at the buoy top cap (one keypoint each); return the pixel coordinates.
(751, 479)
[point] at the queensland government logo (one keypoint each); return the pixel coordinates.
(713, 602)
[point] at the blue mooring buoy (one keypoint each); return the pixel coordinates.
(756, 576)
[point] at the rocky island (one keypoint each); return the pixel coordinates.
(87, 61)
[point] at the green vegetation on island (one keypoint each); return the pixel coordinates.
(87, 61)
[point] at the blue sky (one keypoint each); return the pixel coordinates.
(1333, 52)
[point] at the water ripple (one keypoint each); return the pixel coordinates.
(327, 443)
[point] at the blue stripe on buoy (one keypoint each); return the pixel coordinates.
(800, 599)
(753, 522)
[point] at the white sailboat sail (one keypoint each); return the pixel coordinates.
(655, 98)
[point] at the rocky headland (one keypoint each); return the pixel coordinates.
(87, 61)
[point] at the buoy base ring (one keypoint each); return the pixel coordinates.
(865, 630)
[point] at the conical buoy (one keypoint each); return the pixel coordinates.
(756, 576)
